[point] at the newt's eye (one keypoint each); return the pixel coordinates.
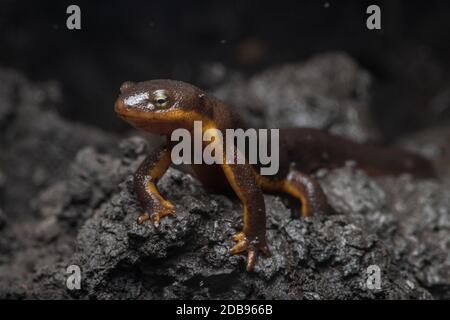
(161, 99)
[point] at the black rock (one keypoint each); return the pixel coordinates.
(187, 257)
(37, 144)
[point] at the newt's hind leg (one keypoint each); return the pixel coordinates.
(145, 179)
(308, 191)
(301, 187)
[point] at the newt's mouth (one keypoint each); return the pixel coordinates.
(154, 122)
(159, 121)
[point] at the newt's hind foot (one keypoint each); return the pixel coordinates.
(251, 247)
(168, 209)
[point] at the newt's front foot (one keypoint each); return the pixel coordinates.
(251, 247)
(168, 209)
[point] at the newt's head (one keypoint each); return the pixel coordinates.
(160, 106)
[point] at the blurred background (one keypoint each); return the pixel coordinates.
(141, 40)
(66, 160)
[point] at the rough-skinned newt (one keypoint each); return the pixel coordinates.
(161, 106)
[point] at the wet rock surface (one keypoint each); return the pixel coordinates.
(82, 211)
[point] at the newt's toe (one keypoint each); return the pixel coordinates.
(238, 236)
(240, 246)
(142, 218)
(251, 247)
(168, 209)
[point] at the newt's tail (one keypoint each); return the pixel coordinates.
(380, 160)
(389, 161)
(312, 149)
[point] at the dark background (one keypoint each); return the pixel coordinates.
(141, 40)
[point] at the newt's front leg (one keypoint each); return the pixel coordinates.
(145, 179)
(253, 236)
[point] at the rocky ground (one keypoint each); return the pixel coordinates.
(66, 199)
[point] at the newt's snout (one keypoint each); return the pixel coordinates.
(119, 107)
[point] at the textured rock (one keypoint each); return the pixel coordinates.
(37, 144)
(423, 210)
(433, 143)
(315, 258)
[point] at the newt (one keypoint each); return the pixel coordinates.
(161, 106)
